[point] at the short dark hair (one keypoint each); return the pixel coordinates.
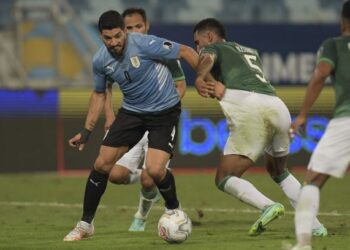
(345, 13)
(211, 24)
(110, 20)
(131, 11)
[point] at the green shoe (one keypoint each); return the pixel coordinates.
(320, 232)
(137, 225)
(269, 214)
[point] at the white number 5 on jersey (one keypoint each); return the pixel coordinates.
(251, 60)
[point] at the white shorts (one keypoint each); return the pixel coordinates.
(257, 123)
(135, 157)
(332, 153)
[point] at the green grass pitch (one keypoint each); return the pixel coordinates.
(37, 210)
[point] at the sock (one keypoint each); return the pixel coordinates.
(95, 187)
(244, 191)
(291, 188)
(135, 177)
(145, 203)
(305, 213)
(167, 189)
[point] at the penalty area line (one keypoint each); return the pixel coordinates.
(210, 210)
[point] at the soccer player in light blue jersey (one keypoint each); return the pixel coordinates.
(127, 169)
(150, 103)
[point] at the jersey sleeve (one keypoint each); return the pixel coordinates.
(327, 52)
(100, 78)
(159, 48)
(175, 69)
(210, 49)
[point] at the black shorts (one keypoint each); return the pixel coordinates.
(129, 127)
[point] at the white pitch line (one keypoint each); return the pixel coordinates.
(213, 210)
(42, 204)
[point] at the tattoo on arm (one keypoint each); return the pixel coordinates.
(206, 63)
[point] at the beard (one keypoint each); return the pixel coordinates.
(115, 50)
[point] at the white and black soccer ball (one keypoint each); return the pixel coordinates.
(174, 226)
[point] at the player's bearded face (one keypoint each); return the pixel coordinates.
(114, 40)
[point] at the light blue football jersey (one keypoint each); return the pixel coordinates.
(146, 84)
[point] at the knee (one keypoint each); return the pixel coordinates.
(119, 176)
(147, 183)
(102, 165)
(156, 173)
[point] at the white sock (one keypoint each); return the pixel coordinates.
(246, 192)
(145, 206)
(135, 177)
(291, 188)
(305, 213)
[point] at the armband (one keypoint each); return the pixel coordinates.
(85, 134)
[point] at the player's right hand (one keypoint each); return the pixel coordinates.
(204, 88)
(219, 90)
(80, 139)
(298, 126)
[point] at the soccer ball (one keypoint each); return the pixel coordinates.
(174, 226)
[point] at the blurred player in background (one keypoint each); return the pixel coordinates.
(332, 154)
(150, 103)
(126, 170)
(258, 120)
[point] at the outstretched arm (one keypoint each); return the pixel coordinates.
(205, 83)
(315, 86)
(189, 55)
(97, 101)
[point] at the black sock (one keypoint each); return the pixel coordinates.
(95, 187)
(167, 189)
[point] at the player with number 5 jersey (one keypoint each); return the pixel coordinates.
(258, 121)
(247, 74)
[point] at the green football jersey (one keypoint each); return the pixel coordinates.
(239, 67)
(336, 51)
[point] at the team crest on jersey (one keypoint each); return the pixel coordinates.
(135, 61)
(167, 45)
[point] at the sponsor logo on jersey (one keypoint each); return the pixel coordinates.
(349, 46)
(167, 45)
(135, 62)
(111, 68)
